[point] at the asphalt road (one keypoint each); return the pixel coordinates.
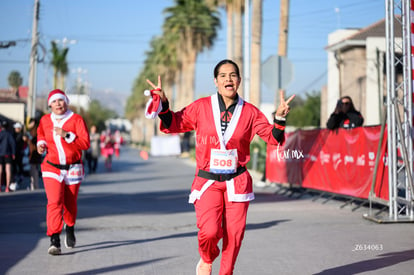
(136, 220)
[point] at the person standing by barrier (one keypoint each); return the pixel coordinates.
(62, 135)
(7, 154)
(345, 115)
(224, 125)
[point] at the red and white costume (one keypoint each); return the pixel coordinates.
(118, 141)
(61, 189)
(209, 196)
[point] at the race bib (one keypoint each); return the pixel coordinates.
(223, 161)
(75, 173)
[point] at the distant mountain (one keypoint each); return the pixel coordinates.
(110, 99)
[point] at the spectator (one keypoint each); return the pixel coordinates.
(7, 153)
(35, 159)
(345, 115)
(20, 140)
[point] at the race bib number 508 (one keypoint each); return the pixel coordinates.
(223, 161)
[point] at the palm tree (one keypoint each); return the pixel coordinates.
(256, 46)
(195, 24)
(160, 60)
(234, 11)
(60, 65)
(238, 10)
(15, 81)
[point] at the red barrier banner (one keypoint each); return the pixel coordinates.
(340, 161)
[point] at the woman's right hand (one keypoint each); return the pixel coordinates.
(158, 89)
(41, 149)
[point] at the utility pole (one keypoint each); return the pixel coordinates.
(283, 39)
(31, 99)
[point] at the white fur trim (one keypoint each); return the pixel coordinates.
(58, 96)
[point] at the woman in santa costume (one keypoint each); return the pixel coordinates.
(62, 135)
(225, 125)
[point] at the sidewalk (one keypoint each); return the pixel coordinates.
(136, 220)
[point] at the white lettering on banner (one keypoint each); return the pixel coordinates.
(348, 159)
(288, 154)
(325, 158)
(371, 157)
(360, 160)
(336, 159)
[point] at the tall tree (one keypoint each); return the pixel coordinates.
(256, 52)
(306, 112)
(195, 24)
(60, 65)
(161, 60)
(238, 9)
(234, 12)
(15, 81)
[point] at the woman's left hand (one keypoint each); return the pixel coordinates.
(158, 89)
(283, 108)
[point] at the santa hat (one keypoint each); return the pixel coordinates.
(154, 106)
(57, 94)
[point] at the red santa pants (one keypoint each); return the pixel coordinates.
(61, 204)
(218, 218)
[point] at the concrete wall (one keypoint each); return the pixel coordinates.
(14, 111)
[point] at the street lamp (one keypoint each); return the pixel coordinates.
(65, 41)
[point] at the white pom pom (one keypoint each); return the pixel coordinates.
(147, 93)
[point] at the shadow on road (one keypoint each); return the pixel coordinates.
(381, 261)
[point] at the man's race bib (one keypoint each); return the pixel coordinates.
(75, 173)
(223, 161)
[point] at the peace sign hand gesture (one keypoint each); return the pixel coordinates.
(158, 90)
(283, 108)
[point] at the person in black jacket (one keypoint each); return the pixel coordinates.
(345, 115)
(7, 153)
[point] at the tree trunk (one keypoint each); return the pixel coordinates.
(230, 36)
(55, 78)
(238, 38)
(256, 44)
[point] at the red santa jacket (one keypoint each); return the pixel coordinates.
(62, 151)
(203, 116)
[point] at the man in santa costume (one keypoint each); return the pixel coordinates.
(62, 135)
(225, 125)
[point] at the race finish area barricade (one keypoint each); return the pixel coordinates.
(338, 161)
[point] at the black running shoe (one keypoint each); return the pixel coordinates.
(70, 239)
(54, 248)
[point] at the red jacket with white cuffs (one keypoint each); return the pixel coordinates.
(203, 116)
(62, 151)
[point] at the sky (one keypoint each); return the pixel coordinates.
(108, 40)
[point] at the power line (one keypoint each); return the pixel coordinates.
(316, 80)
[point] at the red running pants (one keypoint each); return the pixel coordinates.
(218, 218)
(61, 204)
